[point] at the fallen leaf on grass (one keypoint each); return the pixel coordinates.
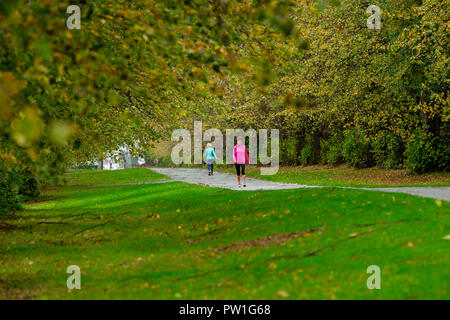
(282, 294)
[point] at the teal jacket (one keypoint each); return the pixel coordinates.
(209, 154)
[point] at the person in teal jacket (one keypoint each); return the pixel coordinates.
(210, 157)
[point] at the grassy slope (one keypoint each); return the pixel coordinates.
(349, 177)
(105, 177)
(163, 241)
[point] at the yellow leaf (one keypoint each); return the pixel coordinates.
(27, 127)
(282, 294)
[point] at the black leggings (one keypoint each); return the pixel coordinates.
(240, 166)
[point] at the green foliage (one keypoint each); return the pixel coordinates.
(28, 185)
(331, 151)
(356, 149)
(426, 152)
(288, 151)
(310, 153)
(16, 186)
(385, 84)
(388, 150)
(306, 155)
(133, 72)
(9, 196)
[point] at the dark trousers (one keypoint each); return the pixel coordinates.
(240, 167)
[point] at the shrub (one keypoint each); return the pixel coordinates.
(16, 186)
(356, 149)
(288, 151)
(28, 185)
(331, 151)
(426, 152)
(9, 197)
(388, 149)
(310, 153)
(165, 161)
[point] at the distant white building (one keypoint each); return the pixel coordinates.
(121, 159)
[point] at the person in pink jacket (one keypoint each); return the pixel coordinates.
(240, 157)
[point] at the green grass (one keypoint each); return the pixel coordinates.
(348, 177)
(169, 241)
(81, 177)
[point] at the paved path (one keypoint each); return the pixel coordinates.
(227, 181)
(441, 193)
(223, 180)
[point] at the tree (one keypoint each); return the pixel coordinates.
(131, 72)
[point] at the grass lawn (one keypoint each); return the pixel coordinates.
(179, 241)
(348, 177)
(87, 177)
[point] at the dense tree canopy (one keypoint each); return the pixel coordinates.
(366, 97)
(128, 74)
(133, 70)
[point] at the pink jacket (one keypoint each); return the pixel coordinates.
(240, 154)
